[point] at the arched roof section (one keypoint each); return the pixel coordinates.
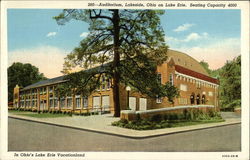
(186, 61)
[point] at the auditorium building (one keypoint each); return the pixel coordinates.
(196, 87)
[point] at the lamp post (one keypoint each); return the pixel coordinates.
(128, 89)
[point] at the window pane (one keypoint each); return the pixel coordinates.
(85, 102)
(78, 102)
(69, 102)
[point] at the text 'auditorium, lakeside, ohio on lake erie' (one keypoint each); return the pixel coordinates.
(203, 5)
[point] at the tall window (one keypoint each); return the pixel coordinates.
(50, 89)
(85, 102)
(108, 84)
(41, 91)
(62, 102)
(159, 77)
(78, 102)
(56, 102)
(171, 79)
(103, 82)
(28, 103)
(51, 102)
(41, 105)
(69, 102)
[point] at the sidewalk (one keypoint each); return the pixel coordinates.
(102, 124)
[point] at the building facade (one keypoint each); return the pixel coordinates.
(195, 85)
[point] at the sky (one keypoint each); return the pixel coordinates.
(35, 37)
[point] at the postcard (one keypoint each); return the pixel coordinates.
(125, 80)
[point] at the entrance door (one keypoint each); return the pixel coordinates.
(132, 103)
(96, 102)
(198, 99)
(105, 101)
(203, 99)
(192, 97)
(143, 104)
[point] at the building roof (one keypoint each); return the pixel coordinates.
(61, 79)
(45, 82)
(191, 73)
(186, 61)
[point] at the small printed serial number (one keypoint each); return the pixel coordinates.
(91, 4)
(228, 155)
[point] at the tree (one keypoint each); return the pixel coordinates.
(212, 73)
(132, 41)
(22, 75)
(230, 83)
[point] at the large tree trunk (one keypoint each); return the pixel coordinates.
(116, 62)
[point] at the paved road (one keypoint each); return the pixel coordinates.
(31, 136)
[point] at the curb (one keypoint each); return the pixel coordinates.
(122, 135)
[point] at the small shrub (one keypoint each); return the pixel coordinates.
(156, 118)
(173, 116)
(138, 117)
(211, 113)
(180, 116)
(70, 113)
(125, 121)
(234, 104)
(189, 115)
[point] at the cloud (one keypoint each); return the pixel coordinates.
(84, 34)
(191, 37)
(183, 27)
(216, 53)
(51, 34)
(48, 59)
(205, 34)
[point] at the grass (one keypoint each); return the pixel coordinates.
(37, 115)
(44, 115)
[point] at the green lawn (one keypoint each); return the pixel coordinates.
(44, 115)
(37, 115)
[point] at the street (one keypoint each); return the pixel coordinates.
(32, 136)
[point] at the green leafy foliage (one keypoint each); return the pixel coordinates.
(22, 75)
(212, 73)
(188, 117)
(230, 83)
(127, 44)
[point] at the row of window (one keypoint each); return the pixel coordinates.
(170, 79)
(53, 102)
